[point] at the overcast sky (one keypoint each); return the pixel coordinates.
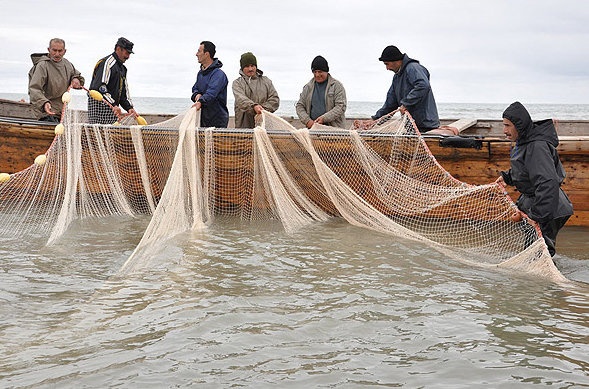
(480, 51)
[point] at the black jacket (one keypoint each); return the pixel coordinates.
(536, 170)
(110, 79)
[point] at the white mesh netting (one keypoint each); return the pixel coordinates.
(384, 179)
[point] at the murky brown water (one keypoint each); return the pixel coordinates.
(244, 305)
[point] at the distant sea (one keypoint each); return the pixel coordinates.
(363, 109)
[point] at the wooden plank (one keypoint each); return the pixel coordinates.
(579, 218)
(463, 124)
(16, 109)
(573, 137)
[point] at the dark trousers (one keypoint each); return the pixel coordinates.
(550, 230)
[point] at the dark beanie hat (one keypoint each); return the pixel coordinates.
(319, 63)
(390, 54)
(247, 59)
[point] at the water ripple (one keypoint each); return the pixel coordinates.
(249, 305)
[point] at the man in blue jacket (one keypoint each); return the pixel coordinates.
(410, 90)
(209, 93)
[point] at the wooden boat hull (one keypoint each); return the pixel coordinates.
(22, 141)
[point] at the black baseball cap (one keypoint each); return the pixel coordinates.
(125, 44)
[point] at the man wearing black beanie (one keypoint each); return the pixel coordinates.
(323, 99)
(319, 63)
(410, 91)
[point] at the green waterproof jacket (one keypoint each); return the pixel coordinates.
(249, 91)
(48, 81)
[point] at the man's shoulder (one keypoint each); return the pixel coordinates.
(239, 80)
(41, 66)
(110, 59)
(212, 71)
(104, 60)
(219, 71)
(414, 66)
(336, 83)
(44, 63)
(264, 80)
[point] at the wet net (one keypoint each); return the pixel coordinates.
(184, 176)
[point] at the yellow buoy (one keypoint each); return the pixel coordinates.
(4, 177)
(40, 160)
(95, 95)
(141, 121)
(59, 129)
(116, 123)
(66, 97)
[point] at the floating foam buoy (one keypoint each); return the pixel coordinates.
(95, 95)
(59, 129)
(40, 160)
(66, 97)
(116, 123)
(4, 177)
(141, 121)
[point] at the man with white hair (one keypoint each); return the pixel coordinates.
(49, 78)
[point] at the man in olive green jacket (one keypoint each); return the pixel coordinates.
(323, 99)
(49, 78)
(253, 92)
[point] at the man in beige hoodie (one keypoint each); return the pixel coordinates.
(253, 92)
(51, 76)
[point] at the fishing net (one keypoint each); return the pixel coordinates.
(184, 176)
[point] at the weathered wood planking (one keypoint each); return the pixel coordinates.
(21, 142)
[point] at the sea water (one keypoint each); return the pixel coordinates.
(247, 305)
(361, 109)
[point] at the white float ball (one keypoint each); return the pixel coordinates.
(59, 129)
(4, 177)
(66, 97)
(40, 160)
